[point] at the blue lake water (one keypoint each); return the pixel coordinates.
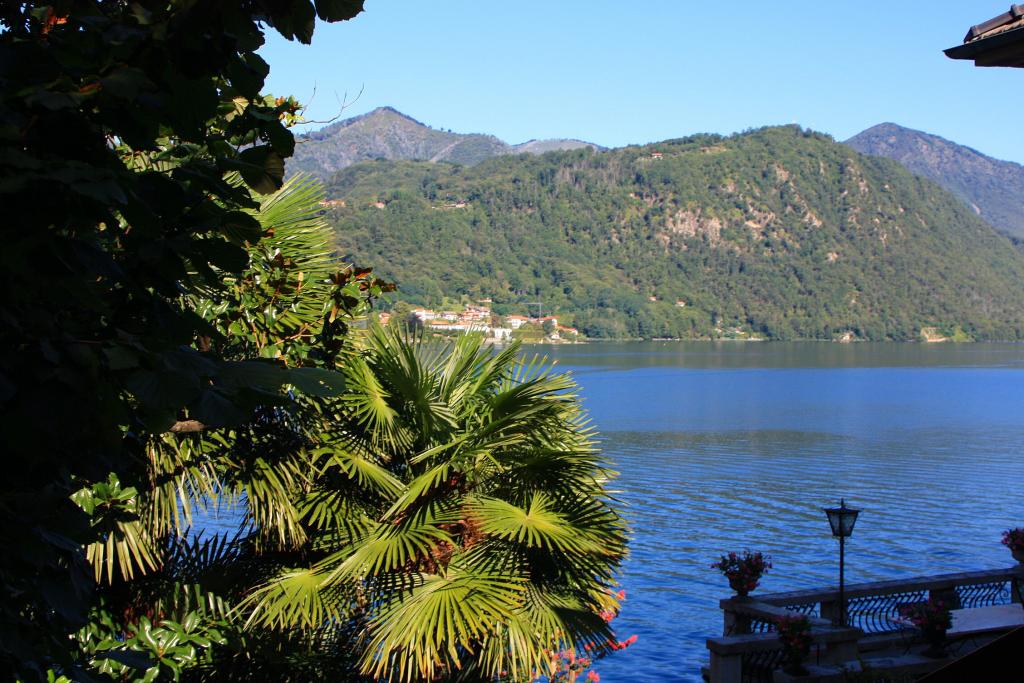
(731, 446)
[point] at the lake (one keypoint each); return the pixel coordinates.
(732, 446)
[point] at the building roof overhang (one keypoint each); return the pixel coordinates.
(996, 42)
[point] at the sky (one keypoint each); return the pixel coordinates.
(617, 73)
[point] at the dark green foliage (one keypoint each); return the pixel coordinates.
(122, 126)
(994, 189)
(780, 233)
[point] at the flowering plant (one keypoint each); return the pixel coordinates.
(795, 636)
(931, 617)
(1014, 539)
(568, 666)
(743, 571)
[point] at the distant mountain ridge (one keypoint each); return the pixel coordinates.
(386, 133)
(994, 189)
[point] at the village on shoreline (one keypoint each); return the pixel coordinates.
(479, 318)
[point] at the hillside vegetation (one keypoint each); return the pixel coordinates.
(778, 233)
(993, 188)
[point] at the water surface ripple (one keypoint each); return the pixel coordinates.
(733, 446)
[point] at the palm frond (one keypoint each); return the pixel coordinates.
(129, 547)
(270, 491)
(184, 478)
(537, 526)
(440, 624)
(296, 599)
(393, 546)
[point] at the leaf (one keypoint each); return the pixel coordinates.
(295, 19)
(538, 526)
(281, 139)
(338, 10)
(262, 376)
(262, 169)
(214, 409)
(125, 82)
(130, 658)
(241, 227)
(162, 390)
(222, 254)
(316, 381)
(271, 376)
(52, 100)
(121, 357)
(444, 617)
(247, 73)
(294, 599)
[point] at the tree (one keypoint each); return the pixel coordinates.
(130, 132)
(457, 517)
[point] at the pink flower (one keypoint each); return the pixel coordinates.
(621, 595)
(593, 677)
(630, 640)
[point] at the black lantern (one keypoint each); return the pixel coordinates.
(842, 519)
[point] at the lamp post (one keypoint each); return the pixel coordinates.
(842, 519)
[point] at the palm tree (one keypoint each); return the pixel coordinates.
(459, 513)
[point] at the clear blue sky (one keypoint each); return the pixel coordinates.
(616, 72)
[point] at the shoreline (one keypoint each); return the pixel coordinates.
(624, 340)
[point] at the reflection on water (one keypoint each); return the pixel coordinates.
(732, 446)
(727, 354)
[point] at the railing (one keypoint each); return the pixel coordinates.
(750, 651)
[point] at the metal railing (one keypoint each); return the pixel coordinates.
(749, 650)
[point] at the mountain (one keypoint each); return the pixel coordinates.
(385, 133)
(779, 233)
(994, 189)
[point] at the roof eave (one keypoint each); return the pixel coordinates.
(1001, 49)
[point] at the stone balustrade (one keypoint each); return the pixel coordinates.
(749, 650)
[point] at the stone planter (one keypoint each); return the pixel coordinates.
(740, 586)
(936, 639)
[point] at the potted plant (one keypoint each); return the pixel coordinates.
(795, 636)
(744, 571)
(934, 619)
(1014, 540)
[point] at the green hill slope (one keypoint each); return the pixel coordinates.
(779, 233)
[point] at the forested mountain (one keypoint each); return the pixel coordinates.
(780, 232)
(993, 188)
(385, 133)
